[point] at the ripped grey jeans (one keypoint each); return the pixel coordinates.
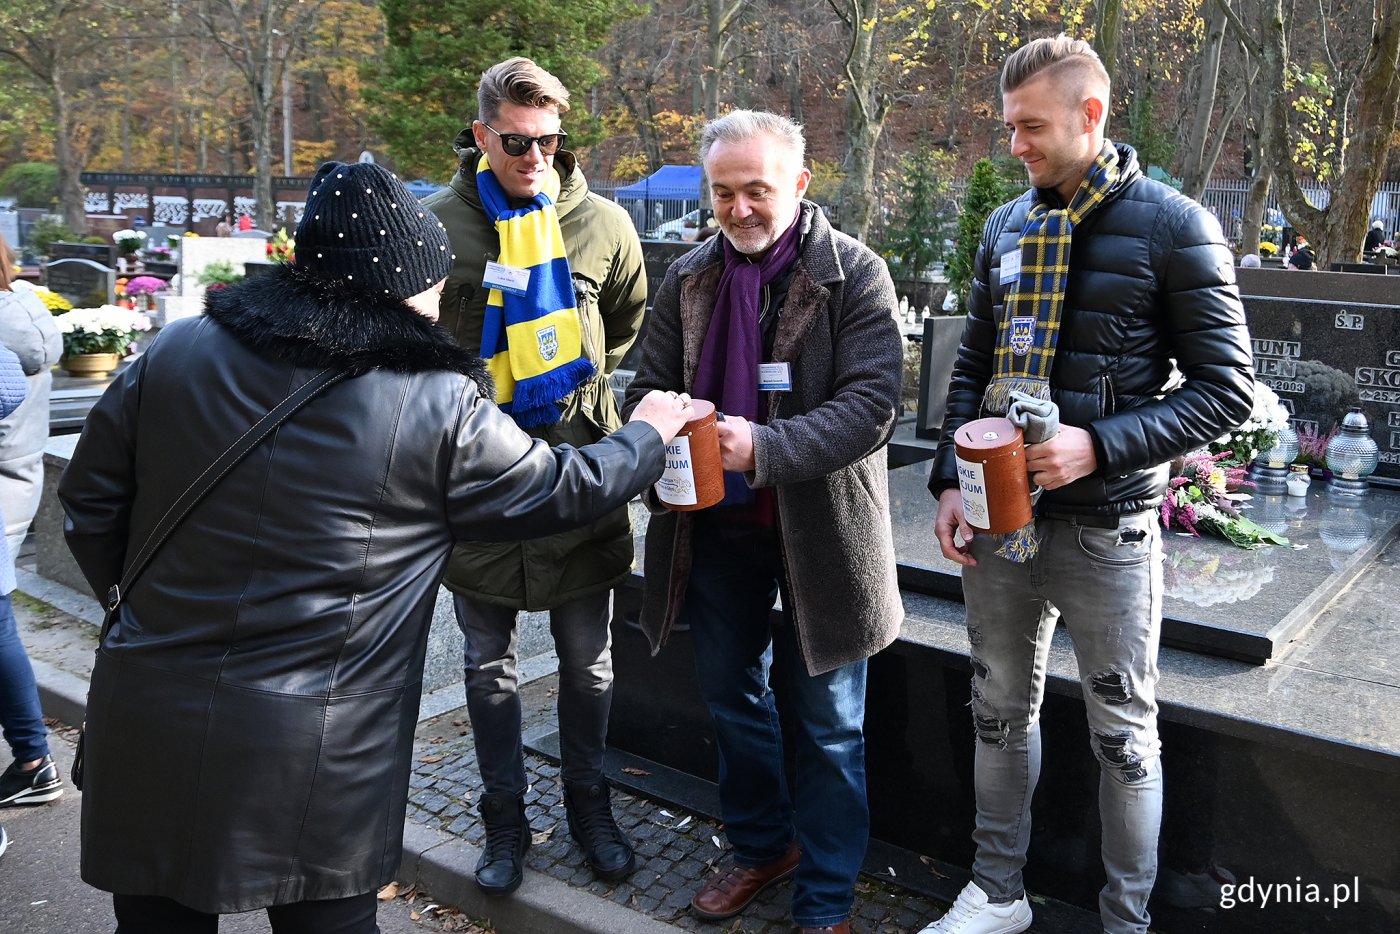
(1107, 584)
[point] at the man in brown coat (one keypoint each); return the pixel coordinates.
(786, 325)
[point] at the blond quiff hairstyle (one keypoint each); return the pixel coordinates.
(519, 81)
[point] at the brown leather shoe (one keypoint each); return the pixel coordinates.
(730, 891)
(843, 928)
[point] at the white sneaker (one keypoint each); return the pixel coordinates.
(973, 914)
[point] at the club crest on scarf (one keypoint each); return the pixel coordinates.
(549, 342)
(1022, 335)
(1030, 327)
(532, 342)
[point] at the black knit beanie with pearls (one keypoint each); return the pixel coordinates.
(363, 228)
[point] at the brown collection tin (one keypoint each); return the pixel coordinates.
(992, 475)
(694, 476)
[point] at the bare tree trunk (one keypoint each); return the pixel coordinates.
(1254, 204)
(70, 189)
(1108, 15)
(795, 89)
(721, 16)
(1337, 231)
(867, 106)
(1194, 172)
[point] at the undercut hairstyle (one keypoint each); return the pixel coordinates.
(739, 126)
(1070, 64)
(519, 81)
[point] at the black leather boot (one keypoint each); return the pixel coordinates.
(591, 822)
(502, 863)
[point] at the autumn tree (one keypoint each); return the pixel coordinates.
(1332, 118)
(423, 89)
(257, 37)
(61, 49)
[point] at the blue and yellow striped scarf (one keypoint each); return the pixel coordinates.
(533, 342)
(1029, 329)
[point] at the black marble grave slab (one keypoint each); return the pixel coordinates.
(1220, 599)
(104, 253)
(942, 335)
(1274, 774)
(85, 283)
(1322, 357)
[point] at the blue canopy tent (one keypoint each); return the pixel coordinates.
(663, 196)
(421, 188)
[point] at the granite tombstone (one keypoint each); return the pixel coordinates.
(83, 282)
(104, 253)
(1322, 357)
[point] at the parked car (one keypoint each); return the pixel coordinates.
(684, 227)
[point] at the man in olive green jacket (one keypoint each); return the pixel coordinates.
(571, 575)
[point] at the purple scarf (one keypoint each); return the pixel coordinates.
(727, 373)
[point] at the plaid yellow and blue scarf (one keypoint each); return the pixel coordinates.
(532, 342)
(1030, 328)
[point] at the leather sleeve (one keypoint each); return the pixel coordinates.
(503, 485)
(98, 486)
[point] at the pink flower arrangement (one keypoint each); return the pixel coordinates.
(1201, 497)
(145, 285)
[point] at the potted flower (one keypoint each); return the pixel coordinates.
(129, 243)
(1258, 433)
(142, 289)
(96, 339)
(52, 300)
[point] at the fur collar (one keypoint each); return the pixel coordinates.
(285, 313)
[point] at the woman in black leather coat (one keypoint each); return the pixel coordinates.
(270, 657)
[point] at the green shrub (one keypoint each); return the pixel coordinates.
(990, 186)
(219, 272)
(46, 230)
(31, 184)
(923, 211)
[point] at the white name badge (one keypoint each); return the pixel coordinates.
(774, 376)
(1010, 266)
(506, 278)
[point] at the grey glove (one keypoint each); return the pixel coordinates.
(1038, 419)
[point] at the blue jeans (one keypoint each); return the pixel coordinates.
(1107, 583)
(735, 576)
(20, 715)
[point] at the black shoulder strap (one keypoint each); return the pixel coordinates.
(211, 475)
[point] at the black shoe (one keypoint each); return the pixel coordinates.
(591, 822)
(502, 866)
(36, 786)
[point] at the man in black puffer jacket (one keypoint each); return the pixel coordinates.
(1113, 297)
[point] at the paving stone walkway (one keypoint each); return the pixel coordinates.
(675, 850)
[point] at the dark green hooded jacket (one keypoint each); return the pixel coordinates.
(605, 258)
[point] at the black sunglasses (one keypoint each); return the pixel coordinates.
(517, 144)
